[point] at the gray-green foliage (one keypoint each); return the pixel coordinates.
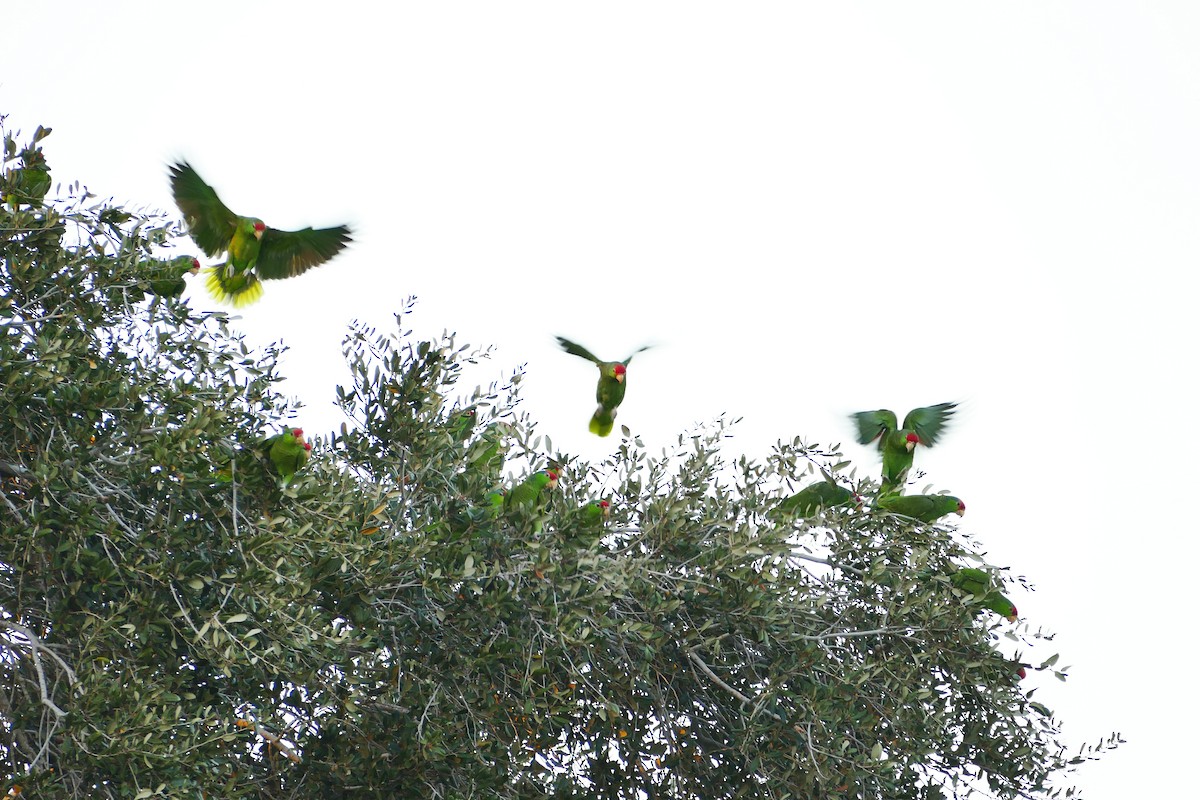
(172, 622)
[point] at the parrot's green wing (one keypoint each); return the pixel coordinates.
(812, 498)
(210, 222)
(285, 254)
(928, 422)
(978, 583)
(577, 350)
(871, 424)
(971, 580)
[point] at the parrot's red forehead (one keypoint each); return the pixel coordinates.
(961, 506)
(604, 504)
(551, 474)
(912, 437)
(619, 369)
(297, 432)
(260, 226)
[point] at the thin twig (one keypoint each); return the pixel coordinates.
(36, 648)
(272, 738)
(699, 662)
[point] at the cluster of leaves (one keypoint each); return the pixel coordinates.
(172, 622)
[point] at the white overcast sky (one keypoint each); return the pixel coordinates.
(808, 210)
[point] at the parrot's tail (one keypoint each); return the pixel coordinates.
(602, 421)
(239, 289)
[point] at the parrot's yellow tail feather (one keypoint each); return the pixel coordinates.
(239, 289)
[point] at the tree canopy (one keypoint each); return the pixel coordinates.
(176, 621)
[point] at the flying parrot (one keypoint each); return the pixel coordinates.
(256, 252)
(610, 390)
(925, 507)
(814, 497)
(978, 583)
(165, 276)
(921, 426)
(288, 452)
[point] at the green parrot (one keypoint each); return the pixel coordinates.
(528, 493)
(531, 496)
(814, 497)
(585, 525)
(461, 423)
(255, 252)
(925, 507)
(595, 512)
(288, 452)
(978, 583)
(165, 277)
(486, 454)
(921, 426)
(29, 183)
(610, 390)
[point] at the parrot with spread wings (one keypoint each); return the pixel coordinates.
(254, 251)
(610, 390)
(896, 442)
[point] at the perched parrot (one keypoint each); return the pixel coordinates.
(165, 277)
(925, 507)
(486, 454)
(255, 252)
(978, 583)
(922, 426)
(812, 498)
(461, 423)
(595, 512)
(528, 493)
(610, 390)
(288, 452)
(29, 183)
(585, 525)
